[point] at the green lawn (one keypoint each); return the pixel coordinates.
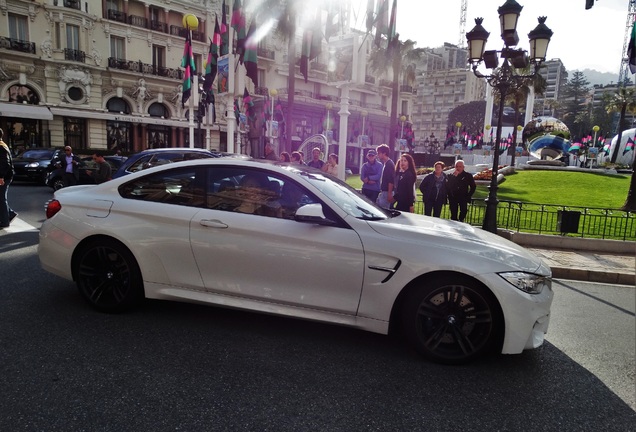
(574, 189)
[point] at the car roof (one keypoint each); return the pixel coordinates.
(172, 149)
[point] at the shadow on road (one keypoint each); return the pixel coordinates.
(170, 366)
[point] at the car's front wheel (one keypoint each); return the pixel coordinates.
(108, 276)
(452, 320)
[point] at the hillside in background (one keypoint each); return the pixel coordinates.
(602, 78)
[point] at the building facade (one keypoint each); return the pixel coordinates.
(105, 74)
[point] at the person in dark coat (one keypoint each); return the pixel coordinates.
(434, 188)
(71, 165)
(6, 176)
(404, 192)
(461, 187)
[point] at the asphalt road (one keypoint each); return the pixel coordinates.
(171, 366)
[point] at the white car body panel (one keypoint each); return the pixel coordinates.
(281, 266)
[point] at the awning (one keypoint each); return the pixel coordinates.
(17, 110)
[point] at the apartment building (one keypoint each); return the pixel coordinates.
(556, 77)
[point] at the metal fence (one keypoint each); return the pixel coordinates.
(585, 222)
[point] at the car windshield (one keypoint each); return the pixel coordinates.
(37, 154)
(342, 195)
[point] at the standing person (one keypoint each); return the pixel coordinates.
(284, 157)
(104, 171)
(385, 199)
(270, 154)
(461, 187)
(371, 174)
(331, 167)
(405, 184)
(6, 176)
(434, 190)
(296, 158)
(70, 164)
(315, 161)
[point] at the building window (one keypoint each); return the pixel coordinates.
(118, 136)
(113, 5)
(158, 136)
(22, 94)
(75, 132)
(158, 56)
(72, 37)
(18, 27)
(158, 110)
(117, 45)
(75, 94)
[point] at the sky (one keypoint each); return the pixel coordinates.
(583, 39)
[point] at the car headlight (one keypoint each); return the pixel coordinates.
(527, 282)
(33, 165)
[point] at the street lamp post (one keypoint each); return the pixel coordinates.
(505, 77)
(458, 125)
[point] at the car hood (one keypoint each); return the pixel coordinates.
(460, 237)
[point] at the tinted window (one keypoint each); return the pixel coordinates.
(255, 192)
(37, 154)
(179, 187)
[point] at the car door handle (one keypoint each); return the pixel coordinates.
(213, 223)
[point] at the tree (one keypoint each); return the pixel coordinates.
(470, 114)
(395, 62)
(576, 114)
(600, 116)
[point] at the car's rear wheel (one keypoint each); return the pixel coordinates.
(108, 276)
(452, 320)
(57, 184)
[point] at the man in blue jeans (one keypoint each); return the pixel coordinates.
(6, 175)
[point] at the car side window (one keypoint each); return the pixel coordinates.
(180, 187)
(254, 192)
(140, 164)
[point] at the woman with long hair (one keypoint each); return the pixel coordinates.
(405, 177)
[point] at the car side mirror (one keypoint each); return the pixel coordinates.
(312, 213)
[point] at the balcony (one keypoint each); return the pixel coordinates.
(17, 45)
(137, 21)
(182, 31)
(144, 68)
(159, 26)
(406, 89)
(265, 53)
(74, 55)
(262, 91)
(73, 4)
(386, 83)
(115, 15)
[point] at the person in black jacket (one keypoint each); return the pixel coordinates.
(404, 192)
(6, 175)
(461, 189)
(71, 165)
(434, 188)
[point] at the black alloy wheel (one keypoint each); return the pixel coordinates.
(108, 276)
(452, 320)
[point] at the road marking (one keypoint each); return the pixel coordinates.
(18, 225)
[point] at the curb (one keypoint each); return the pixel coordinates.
(593, 276)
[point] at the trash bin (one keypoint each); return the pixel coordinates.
(568, 221)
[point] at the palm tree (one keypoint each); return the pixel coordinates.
(395, 62)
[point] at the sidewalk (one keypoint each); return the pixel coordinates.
(592, 260)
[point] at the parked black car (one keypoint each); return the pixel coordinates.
(34, 164)
(160, 156)
(55, 178)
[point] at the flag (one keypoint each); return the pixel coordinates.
(629, 146)
(250, 57)
(225, 44)
(237, 110)
(381, 21)
(213, 55)
(333, 21)
(370, 17)
(391, 33)
(238, 24)
(574, 148)
(304, 53)
(606, 148)
(190, 69)
(248, 104)
(631, 51)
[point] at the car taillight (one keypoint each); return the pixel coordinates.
(52, 208)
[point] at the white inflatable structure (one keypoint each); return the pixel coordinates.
(623, 158)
